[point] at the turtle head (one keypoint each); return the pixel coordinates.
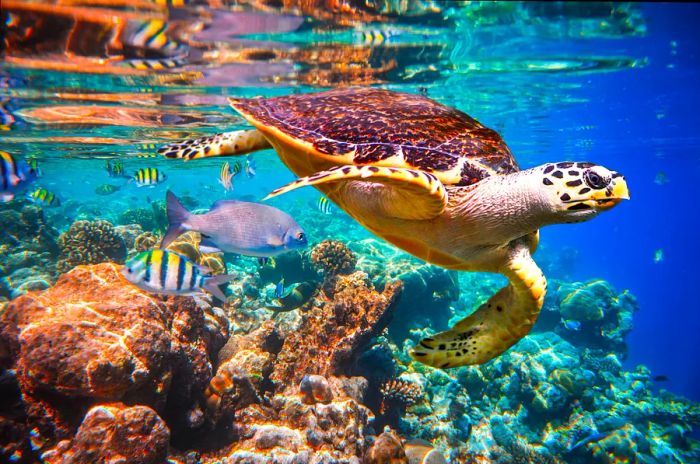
(579, 191)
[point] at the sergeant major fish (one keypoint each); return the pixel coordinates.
(165, 272)
(148, 177)
(44, 197)
(232, 226)
(15, 176)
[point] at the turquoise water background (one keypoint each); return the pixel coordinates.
(615, 85)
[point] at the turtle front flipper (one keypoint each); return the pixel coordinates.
(232, 143)
(497, 324)
(410, 194)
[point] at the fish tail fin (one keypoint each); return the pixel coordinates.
(211, 284)
(177, 216)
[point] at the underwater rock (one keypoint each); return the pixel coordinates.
(294, 266)
(605, 317)
(94, 336)
(399, 394)
(332, 257)
(90, 242)
(315, 389)
(115, 432)
(386, 449)
(141, 216)
(332, 334)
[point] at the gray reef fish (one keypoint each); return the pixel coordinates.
(232, 226)
(165, 272)
(107, 189)
(15, 176)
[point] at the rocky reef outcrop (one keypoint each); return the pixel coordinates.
(94, 338)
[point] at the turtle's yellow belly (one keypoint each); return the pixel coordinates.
(407, 235)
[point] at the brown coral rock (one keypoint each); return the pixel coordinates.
(95, 336)
(115, 433)
(145, 241)
(387, 449)
(333, 334)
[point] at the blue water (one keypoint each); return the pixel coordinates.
(557, 81)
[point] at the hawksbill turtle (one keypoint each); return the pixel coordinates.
(430, 180)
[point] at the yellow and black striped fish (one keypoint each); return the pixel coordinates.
(114, 168)
(376, 37)
(165, 272)
(324, 205)
(237, 168)
(152, 35)
(43, 197)
(149, 177)
(15, 176)
(158, 64)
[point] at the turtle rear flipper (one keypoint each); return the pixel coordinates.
(497, 324)
(232, 143)
(411, 194)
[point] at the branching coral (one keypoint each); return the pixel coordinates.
(332, 258)
(90, 242)
(399, 393)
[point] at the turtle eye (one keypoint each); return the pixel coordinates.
(594, 180)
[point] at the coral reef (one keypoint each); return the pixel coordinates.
(145, 241)
(93, 338)
(332, 257)
(90, 242)
(399, 393)
(115, 432)
(28, 249)
(332, 335)
(129, 233)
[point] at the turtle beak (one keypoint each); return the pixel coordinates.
(612, 195)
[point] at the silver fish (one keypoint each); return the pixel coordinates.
(232, 226)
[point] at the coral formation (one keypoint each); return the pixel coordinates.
(94, 337)
(145, 241)
(399, 393)
(115, 432)
(28, 249)
(90, 242)
(332, 257)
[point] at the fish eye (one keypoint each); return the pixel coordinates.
(594, 180)
(129, 270)
(301, 236)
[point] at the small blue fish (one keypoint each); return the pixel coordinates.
(572, 325)
(279, 288)
(250, 169)
(165, 272)
(231, 226)
(15, 176)
(324, 205)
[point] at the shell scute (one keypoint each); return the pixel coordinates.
(377, 126)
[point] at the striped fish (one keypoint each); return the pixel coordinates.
(152, 35)
(156, 64)
(324, 205)
(377, 37)
(114, 168)
(237, 168)
(43, 197)
(226, 177)
(165, 272)
(15, 176)
(148, 177)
